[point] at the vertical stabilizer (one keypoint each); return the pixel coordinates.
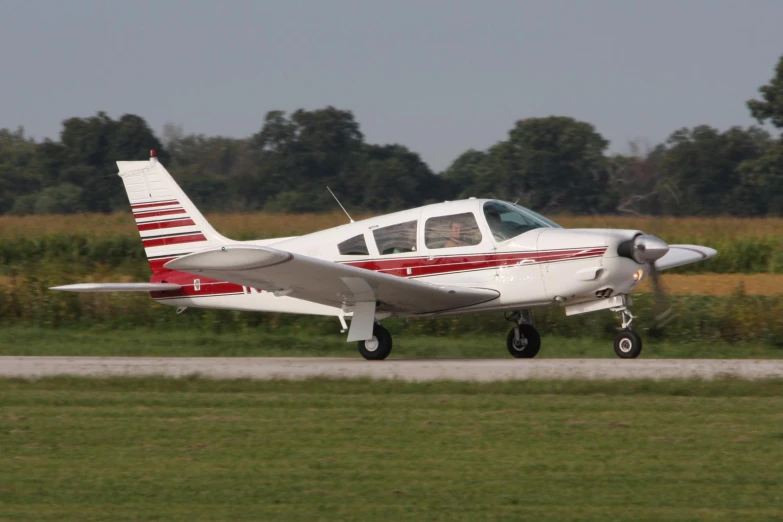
(169, 224)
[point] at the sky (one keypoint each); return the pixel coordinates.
(437, 76)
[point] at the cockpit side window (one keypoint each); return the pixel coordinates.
(507, 221)
(355, 246)
(456, 230)
(396, 239)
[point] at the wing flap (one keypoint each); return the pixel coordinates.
(679, 255)
(117, 287)
(326, 282)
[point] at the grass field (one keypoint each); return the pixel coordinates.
(181, 342)
(185, 450)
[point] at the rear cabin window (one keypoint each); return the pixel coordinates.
(396, 239)
(356, 246)
(456, 230)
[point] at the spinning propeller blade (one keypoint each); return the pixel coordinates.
(662, 309)
(646, 250)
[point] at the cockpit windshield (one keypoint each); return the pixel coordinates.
(506, 220)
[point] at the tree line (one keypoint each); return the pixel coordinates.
(554, 164)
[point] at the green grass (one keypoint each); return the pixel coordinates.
(190, 449)
(180, 341)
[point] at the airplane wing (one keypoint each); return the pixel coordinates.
(679, 255)
(328, 283)
(117, 287)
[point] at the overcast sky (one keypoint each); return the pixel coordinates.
(437, 76)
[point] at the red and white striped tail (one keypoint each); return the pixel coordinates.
(169, 224)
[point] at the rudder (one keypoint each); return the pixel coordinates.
(170, 225)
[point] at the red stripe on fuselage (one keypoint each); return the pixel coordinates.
(155, 225)
(176, 240)
(152, 205)
(422, 266)
(169, 212)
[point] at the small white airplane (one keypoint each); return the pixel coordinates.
(446, 259)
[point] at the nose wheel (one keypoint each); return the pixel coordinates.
(627, 344)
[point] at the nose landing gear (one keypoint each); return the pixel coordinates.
(627, 343)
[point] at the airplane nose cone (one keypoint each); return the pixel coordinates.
(651, 248)
(643, 249)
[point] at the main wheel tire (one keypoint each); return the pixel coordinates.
(627, 344)
(528, 344)
(379, 347)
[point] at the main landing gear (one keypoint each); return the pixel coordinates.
(523, 341)
(627, 343)
(379, 347)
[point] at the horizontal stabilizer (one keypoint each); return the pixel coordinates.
(679, 255)
(117, 287)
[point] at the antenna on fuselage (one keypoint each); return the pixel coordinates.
(338, 202)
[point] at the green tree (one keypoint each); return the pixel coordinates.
(550, 164)
(63, 199)
(394, 178)
(704, 167)
(215, 172)
(92, 145)
(461, 175)
(301, 155)
(637, 182)
(770, 107)
(762, 187)
(19, 174)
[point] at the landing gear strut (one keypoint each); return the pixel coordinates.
(627, 343)
(523, 341)
(379, 347)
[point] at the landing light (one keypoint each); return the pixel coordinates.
(638, 275)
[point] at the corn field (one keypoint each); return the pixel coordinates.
(264, 224)
(111, 241)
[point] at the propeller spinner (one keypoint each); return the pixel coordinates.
(647, 249)
(643, 249)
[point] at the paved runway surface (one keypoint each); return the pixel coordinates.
(412, 370)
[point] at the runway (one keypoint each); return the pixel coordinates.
(408, 370)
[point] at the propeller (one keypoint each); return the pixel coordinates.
(646, 249)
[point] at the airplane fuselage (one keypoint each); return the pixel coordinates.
(540, 267)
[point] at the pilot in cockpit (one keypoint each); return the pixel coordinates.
(455, 236)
